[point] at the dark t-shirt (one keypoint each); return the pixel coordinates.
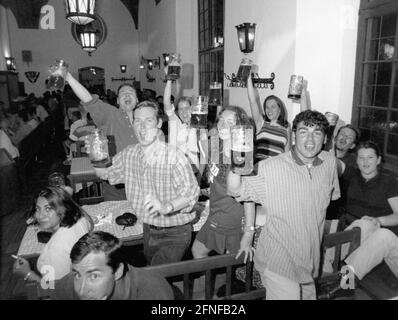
(137, 284)
(369, 198)
(225, 211)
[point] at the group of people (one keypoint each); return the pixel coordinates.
(282, 205)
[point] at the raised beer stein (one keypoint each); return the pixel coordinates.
(200, 110)
(295, 87)
(242, 149)
(244, 70)
(174, 67)
(99, 154)
(56, 80)
(215, 94)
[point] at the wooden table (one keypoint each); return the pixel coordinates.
(106, 213)
(81, 175)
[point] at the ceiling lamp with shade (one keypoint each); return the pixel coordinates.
(80, 11)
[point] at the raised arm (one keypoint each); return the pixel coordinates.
(168, 107)
(256, 110)
(304, 104)
(81, 92)
(247, 237)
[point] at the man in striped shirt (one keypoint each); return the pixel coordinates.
(160, 186)
(295, 189)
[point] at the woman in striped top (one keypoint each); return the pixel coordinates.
(272, 130)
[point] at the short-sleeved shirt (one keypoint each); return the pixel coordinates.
(6, 143)
(369, 198)
(41, 112)
(295, 197)
(183, 137)
(136, 284)
(168, 176)
(112, 121)
(56, 252)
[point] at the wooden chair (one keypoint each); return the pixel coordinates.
(185, 271)
(77, 148)
(91, 192)
(337, 240)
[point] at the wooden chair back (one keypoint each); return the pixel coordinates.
(210, 266)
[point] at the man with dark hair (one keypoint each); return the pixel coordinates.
(113, 121)
(160, 186)
(346, 140)
(295, 189)
(99, 272)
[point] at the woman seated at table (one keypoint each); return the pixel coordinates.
(55, 212)
(223, 228)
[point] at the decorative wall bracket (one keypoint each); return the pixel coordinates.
(260, 83)
(124, 79)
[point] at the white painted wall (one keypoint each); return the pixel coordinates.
(326, 37)
(310, 37)
(171, 26)
(120, 46)
(5, 49)
(316, 39)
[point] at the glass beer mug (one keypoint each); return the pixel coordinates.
(215, 94)
(99, 154)
(295, 87)
(244, 70)
(56, 80)
(242, 149)
(174, 67)
(200, 110)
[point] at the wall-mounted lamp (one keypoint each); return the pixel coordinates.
(166, 59)
(80, 11)
(150, 63)
(88, 39)
(123, 68)
(246, 36)
(10, 62)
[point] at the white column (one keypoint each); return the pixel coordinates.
(5, 48)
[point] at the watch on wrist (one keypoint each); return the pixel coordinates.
(250, 228)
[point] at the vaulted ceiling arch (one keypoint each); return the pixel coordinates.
(27, 12)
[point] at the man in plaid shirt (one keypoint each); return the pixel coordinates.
(160, 185)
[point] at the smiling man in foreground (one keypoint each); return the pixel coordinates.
(99, 272)
(295, 189)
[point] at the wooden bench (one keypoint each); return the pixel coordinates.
(186, 271)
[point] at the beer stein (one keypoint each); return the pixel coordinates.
(200, 110)
(174, 67)
(242, 149)
(56, 80)
(244, 70)
(295, 87)
(215, 94)
(99, 155)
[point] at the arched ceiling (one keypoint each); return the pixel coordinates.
(27, 12)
